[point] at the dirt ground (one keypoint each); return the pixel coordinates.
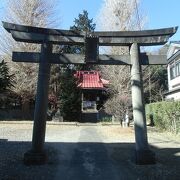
(85, 152)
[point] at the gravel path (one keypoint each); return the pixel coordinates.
(86, 153)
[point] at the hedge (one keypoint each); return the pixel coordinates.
(166, 115)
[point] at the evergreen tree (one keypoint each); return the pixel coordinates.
(81, 24)
(6, 80)
(70, 94)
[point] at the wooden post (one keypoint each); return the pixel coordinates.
(37, 154)
(143, 154)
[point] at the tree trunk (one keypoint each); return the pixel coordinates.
(26, 115)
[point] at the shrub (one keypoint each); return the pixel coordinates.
(166, 115)
(106, 119)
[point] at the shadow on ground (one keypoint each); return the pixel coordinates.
(86, 161)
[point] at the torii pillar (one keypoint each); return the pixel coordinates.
(142, 153)
(37, 154)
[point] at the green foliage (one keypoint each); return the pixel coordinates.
(166, 115)
(81, 24)
(70, 97)
(6, 80)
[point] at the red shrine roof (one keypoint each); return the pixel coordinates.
(90, 80)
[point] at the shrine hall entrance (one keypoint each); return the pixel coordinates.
(91, 41)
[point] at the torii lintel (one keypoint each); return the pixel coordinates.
(40, 35)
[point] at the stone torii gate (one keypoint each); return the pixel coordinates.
(47, 37)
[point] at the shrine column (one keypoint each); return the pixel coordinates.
(37, 154)
(142, 154)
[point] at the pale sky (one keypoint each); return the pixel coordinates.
(160, 13)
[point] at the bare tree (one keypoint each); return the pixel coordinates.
(118, 105)
(119, 15)
(33, 13)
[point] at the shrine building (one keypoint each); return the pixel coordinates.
(93, 94)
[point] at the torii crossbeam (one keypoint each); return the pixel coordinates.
(47, 37)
